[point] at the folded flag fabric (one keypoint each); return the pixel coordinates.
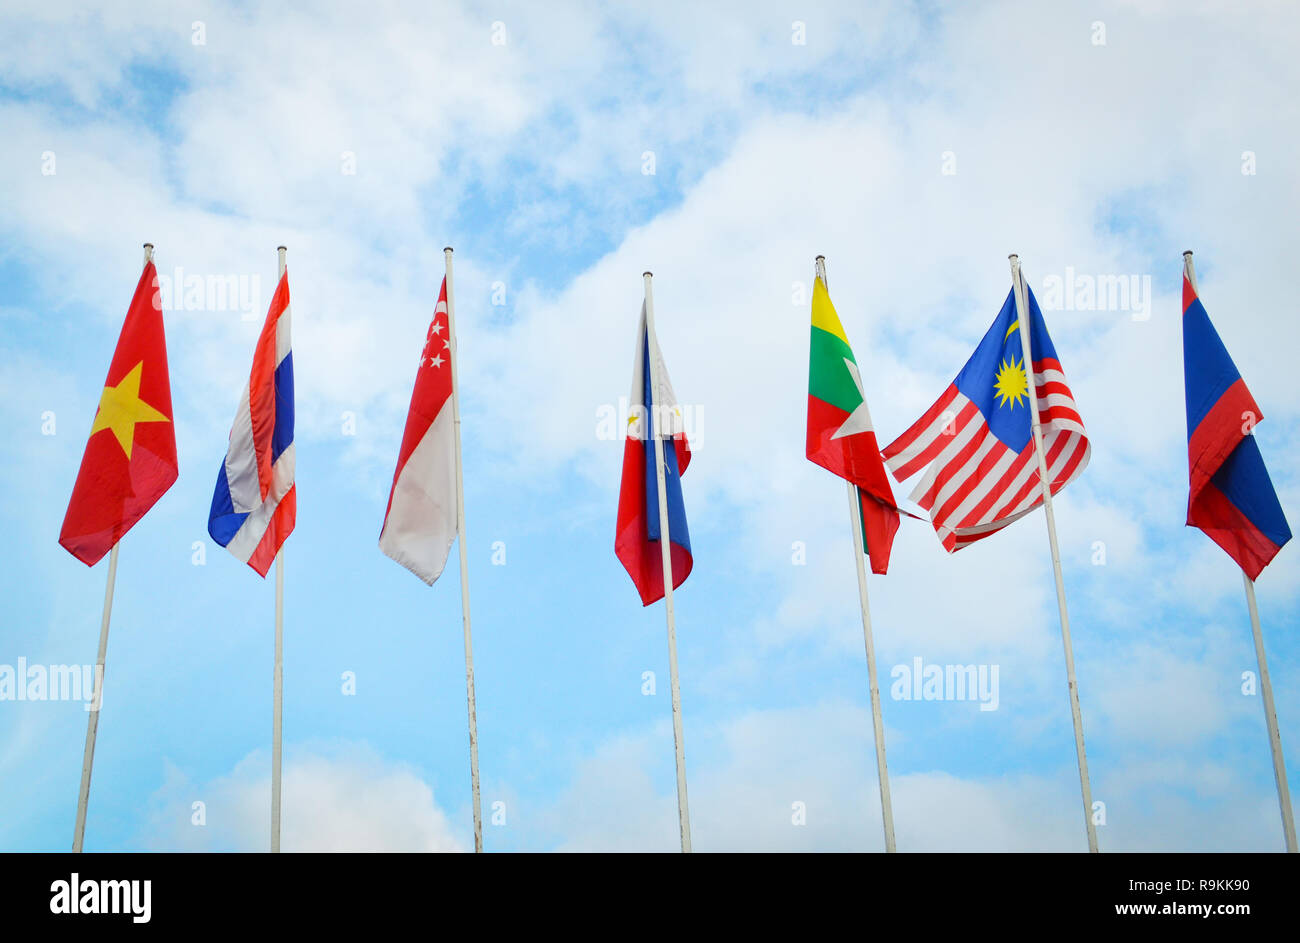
(976, 442)
(130, 457)
(1231, 496)
(636, 542)
(420, 523)
(254, 505)
(880, 522)
(841, 437)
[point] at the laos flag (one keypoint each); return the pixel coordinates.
(652, 412)
(254, 505)
(1232, 498)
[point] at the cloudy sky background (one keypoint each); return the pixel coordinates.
(528, 155)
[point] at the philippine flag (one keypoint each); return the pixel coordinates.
(254, 505)
(1232, 498)
(420, 523)
(637, 540)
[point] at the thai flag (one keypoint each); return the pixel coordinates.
(1231, 498)
(254, 505)
(637, 540)
(976, 442)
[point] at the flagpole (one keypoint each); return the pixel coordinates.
(277, 724)
(92, 722)
(1270, 717)
(1022, 316)
(1266, 686)
(97, 702)
(464, 566)
(665, 550)
(877, 719)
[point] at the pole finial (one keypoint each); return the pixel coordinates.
(820, 258)
(647, 274)
(447, 249)
(1186, 253)
(281, 248)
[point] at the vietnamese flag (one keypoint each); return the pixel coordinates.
(130, 459)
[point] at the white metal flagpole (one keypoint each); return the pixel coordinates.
(1265, 685)
(277, 723)
(665, 549)
(97, 702)
(877, 719)
(1270, 717)
(1022, 316)
(464, 566)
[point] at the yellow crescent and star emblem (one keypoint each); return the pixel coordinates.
(120, 408)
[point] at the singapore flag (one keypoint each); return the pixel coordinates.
(420, 523)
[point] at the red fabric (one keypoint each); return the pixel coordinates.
(432, 387)
(277, 532)
(641, 557)
(855, 458)
(1219, 433)
(879, 525)
(1223, 523)
(261, 386)
(112, 491)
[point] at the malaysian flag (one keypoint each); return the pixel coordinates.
(976, 443)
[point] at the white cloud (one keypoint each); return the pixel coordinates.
(344, 799)
(1107, 159)
(760, 764)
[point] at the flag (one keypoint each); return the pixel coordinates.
(976, 442)
(254, 505)
(130, 457)
(1231, 496)
(420, 523)
(841, 437)
(636, 542)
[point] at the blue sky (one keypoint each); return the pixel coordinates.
(528, 155)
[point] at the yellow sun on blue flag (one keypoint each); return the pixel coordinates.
(995, 378)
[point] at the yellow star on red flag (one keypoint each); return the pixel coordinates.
(120, 408)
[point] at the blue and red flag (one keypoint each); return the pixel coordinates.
(1231, 497)
(254, 505)
(976, 442)
(636, 542)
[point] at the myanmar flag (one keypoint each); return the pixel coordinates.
(840, 435)
(130, 458)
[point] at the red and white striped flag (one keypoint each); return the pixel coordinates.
(420, 523)
(976, 442)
